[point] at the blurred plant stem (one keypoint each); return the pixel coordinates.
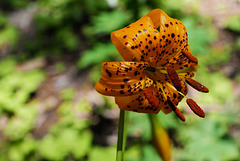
(160, 138)
(122, 134)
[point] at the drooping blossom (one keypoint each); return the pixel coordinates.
(157, 64)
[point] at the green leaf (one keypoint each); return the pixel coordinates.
(107, 22)
(200, 36)
(68, 94)
(139, 125)
(208, 137)
(82, 144)
(102, 154)
(9, 35)
(149, 153)
(20, 150)
(67, 38)
(24, 121)
(100, 53)
(133, 153)
(233, 23)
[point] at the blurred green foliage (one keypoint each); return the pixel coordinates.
(233, 23)
(81, 29)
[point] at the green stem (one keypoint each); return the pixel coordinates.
(122, 135)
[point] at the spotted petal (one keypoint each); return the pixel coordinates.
(173, 39)
(136, 103)
(122, 78)
(139, 40)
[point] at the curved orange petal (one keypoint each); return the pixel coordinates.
(173, 39)
(136, 103)
(138, 40)
(122, 78)
(139, 103)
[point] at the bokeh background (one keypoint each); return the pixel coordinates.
(51, 51)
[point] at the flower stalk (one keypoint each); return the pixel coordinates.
(122, 134)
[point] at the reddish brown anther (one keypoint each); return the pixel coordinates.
(196, 85)
(176, 110)
(153, 100)
(174, 78)
(189, 56)
(195, 108)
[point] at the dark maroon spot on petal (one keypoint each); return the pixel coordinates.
(121, 92)
(124, 36)
(135, 73)
(125, 80)
(109, 73)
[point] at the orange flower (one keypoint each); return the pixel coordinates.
(157, 63)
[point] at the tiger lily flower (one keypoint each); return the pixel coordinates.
(157, 65)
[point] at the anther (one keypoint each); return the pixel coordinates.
(175, 109)
(153, 100)
(196, 85)
(195, 108)
(174, 78)
(189, 56)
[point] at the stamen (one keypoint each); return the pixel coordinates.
(161, 87)
(152, 99)
(196, 85)
(195, 108)
(189, 56)
(144, 82)
(174, 78)
(171, 86)
(176, 110)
